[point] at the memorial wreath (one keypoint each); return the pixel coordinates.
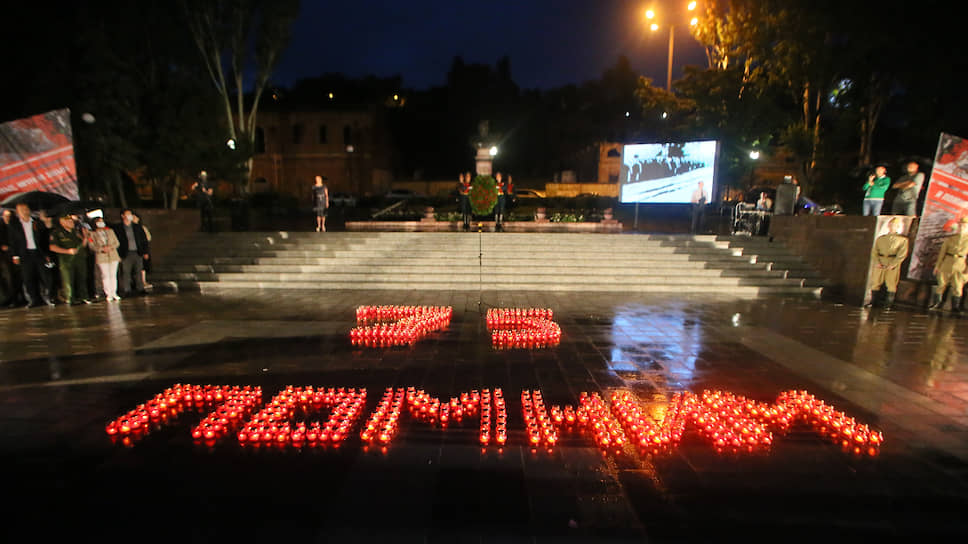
(483, 195)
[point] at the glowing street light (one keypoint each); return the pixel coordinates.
(694, 21)
(754, 154)
(230, 143)
(493, 151)
(330, 96)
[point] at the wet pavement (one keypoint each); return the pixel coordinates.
(66, 371)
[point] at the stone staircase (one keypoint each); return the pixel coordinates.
(489, 261)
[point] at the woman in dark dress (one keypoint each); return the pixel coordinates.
(320, 203)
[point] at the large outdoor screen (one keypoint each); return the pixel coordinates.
(668, 173)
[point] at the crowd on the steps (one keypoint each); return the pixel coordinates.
(71, 259)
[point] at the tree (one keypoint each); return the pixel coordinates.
(236, 38)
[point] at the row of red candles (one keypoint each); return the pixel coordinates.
(397, 325)
(735, 422)
(540, 426)
(273, 424)
(232, 406)
(522, 328)
(513, 316)
(366, 315)
(725, 420)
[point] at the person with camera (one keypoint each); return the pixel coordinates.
(877, 184)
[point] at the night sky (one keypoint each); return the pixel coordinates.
(550, 42)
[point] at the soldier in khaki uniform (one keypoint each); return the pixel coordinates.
(71, 260)
(950, 267)
(888, 253)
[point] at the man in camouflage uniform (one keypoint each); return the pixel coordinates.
(888, 253)
(950, 267)
(71, 251)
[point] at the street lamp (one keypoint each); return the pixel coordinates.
(650, 15)
(755, 155)
(493, 151)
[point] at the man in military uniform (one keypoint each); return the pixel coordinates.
(72, 260)
(888, 253)
(950, 267)
(499, 207)
(508, 197)
(464, 192)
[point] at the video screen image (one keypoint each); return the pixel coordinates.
(668, 173)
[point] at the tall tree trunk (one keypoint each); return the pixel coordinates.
(174, 191)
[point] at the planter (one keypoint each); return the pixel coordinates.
(539, 214)
(607, 214)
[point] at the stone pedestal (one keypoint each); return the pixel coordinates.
(483, 161)
(428, 215)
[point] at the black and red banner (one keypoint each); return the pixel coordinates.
(946, 202)
(37, 154)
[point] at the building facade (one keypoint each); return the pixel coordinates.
(350, 148)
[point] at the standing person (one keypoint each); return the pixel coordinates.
(28, 242)
(698, 201)
(877, 184)
(320, 203)
(765, 203)
(132, 249)
(889, 251)
(146, 261)
(499, 207)
(71, 249)
(508, 195)
(104, 243)
(909, 189)
(11, 287)
(205, 197)
(464, 192)
(950, 267)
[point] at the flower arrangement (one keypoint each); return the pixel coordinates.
(483, 195)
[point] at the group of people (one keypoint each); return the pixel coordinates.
(659, 167)
(907, 187)
(890, 250)
(505, 192)
(33, 247)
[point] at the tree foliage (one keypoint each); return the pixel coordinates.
(240, 41)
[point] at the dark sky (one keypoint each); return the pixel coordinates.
(550, 42)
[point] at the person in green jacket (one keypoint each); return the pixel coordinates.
(877, 184)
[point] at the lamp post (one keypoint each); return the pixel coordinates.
(650, 15)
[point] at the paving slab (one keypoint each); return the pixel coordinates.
(66, 371)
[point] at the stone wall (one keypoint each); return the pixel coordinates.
(168, 227)
(839, 247)
(575, 189)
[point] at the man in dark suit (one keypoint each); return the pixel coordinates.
(132, 249)
(28, 243)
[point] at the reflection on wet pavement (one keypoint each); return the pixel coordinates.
(66, 371)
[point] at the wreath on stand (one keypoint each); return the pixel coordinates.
(483, 195)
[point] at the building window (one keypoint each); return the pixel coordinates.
(260, 140)
(347, 135)
(297, 133)
(322, 134)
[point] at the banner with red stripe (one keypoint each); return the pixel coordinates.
(37, 154)
(945, 203)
